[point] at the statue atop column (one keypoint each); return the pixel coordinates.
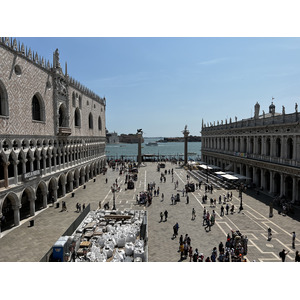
(56, 63)
(296, 107)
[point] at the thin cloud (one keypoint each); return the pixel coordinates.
(212, 61)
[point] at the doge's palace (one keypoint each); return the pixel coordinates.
(52, 132)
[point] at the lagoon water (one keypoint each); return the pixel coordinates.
(175, 149)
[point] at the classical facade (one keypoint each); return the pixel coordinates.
(52, 132)
(264, 148)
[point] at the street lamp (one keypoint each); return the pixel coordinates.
(206, 172)
(241, 189)
(114, 198)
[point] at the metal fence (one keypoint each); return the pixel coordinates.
(69, 231)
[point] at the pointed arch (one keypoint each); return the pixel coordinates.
(77, 119)
(3, 100)
(38, 108)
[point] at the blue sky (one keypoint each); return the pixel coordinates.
(163, 84)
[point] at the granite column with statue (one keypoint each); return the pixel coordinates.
(186, 135)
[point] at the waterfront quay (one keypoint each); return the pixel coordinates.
(30, 243)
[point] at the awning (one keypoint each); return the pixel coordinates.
(228, 167)
(205, 167)
(220, 173)
(241, 176)
(230, 177)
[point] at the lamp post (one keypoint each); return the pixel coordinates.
(114, 198)
(242, 188)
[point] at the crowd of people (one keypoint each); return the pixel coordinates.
(236, 245)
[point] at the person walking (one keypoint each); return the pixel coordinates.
(283, 254)
(208, 225)
(181, 249)
(297, 256)
(166, 215)
(269, 234)
(191, 253)
(175, 228)
(162, 196)
(187, 199)
(293, 239)
(193, 214)
(161, 217)
(227, 208)
(222, 210)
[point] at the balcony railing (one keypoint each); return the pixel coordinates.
(64, 131)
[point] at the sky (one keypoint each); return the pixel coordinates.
(161, 84)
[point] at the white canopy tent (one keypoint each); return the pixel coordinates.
(230, 177)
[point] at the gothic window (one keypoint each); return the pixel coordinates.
(90, 121)
(290, 148)
(62, 116)
(37, 109)
(73, 99)
(3, 101)
(268, 147)
(278, 147)
(77, 117)
(99, 123)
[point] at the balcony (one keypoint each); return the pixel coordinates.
(64, 131)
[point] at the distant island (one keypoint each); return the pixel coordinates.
(191, 138)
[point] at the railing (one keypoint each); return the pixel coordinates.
(69, 231)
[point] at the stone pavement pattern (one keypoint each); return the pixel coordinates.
(25, 243)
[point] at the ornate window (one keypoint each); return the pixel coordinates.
(62, 120)
(3, 101)
(38, 112)
(91, 121)
(99, 123)
(77, 117)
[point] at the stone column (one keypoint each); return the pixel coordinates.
(16, 209)
(44, 200)
(139, 134)
(186, 135)
(283, 148)
(54, 166)
(262, 179)
(63, 159)
(24, 166)
(272, 182)
(255, 176)
(44, 163)
(71, 185)
(32, 206)
(16, 171)
(5, 169)
(282, 185)
(294, 198)
(263, 146)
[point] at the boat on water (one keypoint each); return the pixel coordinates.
(152, 144)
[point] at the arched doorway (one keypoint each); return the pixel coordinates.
(267, 180)
(69, 186)
(61, 191)
(277, 183)
(8, 212)
(278, 147)
(26, 197)
(41, 192)
(62, 118)
(289, 188)
(52, 191)
(289, 151)
(268, 147)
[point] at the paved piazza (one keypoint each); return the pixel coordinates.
(25, 243)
